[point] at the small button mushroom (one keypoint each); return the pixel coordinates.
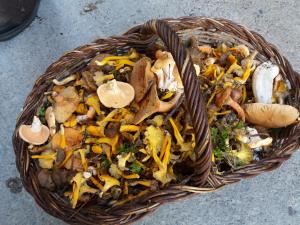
(262, 82)
(50, 118)
(270, 115)
(223, 98)
(115, 94)
(36, 133)
(152, 104)
(141, 78)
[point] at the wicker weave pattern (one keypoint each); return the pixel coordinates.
(143, 38)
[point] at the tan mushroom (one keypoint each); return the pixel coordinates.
(270, 115)
(36, 133)
(50, 118)
(65, 104)
(224, 98)
(167, 72)
(141, 78)
(115, 94)
(152, 104)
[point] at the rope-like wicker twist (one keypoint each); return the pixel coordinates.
(143, 37)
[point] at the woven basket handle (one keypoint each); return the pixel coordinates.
(194, 99)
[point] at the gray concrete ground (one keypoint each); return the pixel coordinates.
(272, 198)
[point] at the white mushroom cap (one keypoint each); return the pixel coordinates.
(36, 133)
(270, 115)
(115, 94)
(262, 82)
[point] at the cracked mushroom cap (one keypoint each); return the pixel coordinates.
(115, 94)
(270, 115)
(36, 133)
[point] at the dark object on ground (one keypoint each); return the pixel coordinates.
(15, 16)
(14, 184)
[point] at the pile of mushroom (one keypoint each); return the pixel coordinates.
(245, 98)
(115, 129)
(118, 128)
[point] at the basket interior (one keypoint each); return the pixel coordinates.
(285, 139)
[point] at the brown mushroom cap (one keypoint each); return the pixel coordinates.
(141, 78)
(152, 104)
(115, 94)
(271, 115)
(28, 134)
(224, 98)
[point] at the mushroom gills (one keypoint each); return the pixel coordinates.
(152, 104)
(36, 133)
(262, 82)
(115, 94)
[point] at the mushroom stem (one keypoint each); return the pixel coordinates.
(50, 118)
(236, 107)
(65, 81)
(167, 106)
(36, 125)
(112, 86)
(89, 115)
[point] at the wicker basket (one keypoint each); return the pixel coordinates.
(144, 38)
